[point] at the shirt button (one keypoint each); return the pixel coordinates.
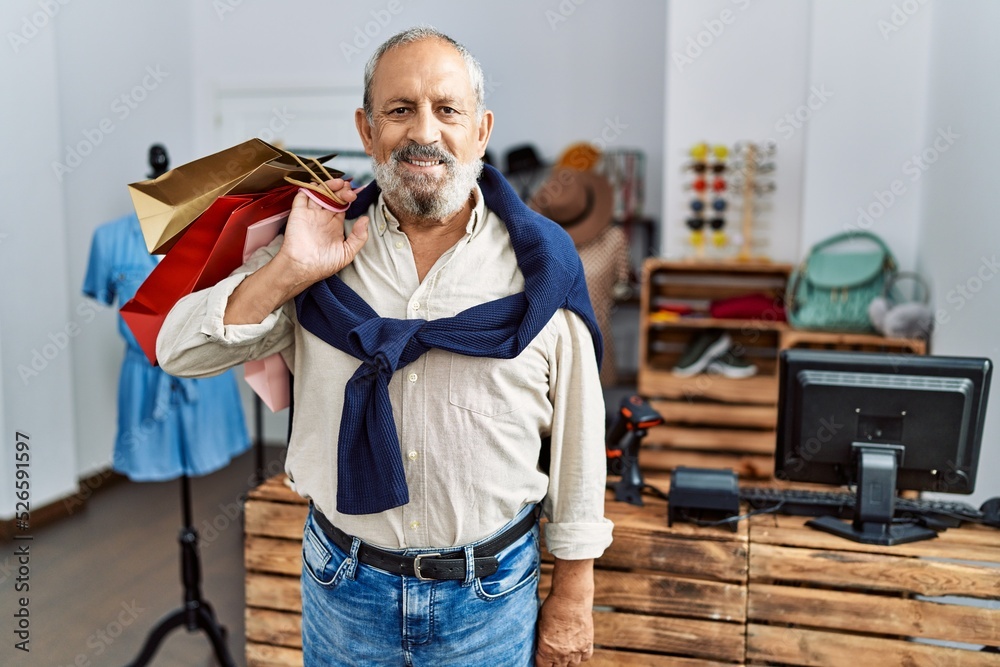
(399, 244)
(381, 228)
(412, 456)
(414, 525)
(412, 377)
(415, 305)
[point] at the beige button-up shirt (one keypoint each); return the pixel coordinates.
(470, 428)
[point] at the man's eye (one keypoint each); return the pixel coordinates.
(398, 111)
(448, 110)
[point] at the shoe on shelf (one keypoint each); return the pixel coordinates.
(700, 352)
(731, 365)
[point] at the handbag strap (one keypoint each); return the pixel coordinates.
(791, 303)
(924, 289)
(852, 236)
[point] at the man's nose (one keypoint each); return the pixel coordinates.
(424, 129)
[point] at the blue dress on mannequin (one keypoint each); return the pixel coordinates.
(167, 426)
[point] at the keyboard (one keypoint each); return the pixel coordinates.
(840, 504)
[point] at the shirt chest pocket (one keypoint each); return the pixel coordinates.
(484, 385)
(125, 280)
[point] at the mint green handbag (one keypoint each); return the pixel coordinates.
(831, 290)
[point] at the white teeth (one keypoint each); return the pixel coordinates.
(424, 164)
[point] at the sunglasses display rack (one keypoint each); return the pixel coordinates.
(707, 204)
(751, 179)
(716, 181)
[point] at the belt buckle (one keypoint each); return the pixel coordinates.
(416, 565)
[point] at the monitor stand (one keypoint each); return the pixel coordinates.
(875, 503)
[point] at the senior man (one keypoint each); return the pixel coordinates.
(445, 361)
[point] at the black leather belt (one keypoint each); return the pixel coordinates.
(449, 565)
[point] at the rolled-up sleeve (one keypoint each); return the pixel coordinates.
(195, 342)
(577, 528)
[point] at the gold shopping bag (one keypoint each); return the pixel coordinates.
(167, 205)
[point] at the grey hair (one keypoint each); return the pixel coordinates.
(476, 77)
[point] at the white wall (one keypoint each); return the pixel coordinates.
(71, 75)
(6, 467)
(37, 397)
(141, 87)
(734, 69)
(859, 145)
(845, 105)
(959, 238)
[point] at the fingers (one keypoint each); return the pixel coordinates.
(342, 188)
(335, 184)
(560, 661)
(358, 236)
(360, 228)
(307, 200)
(301, 200)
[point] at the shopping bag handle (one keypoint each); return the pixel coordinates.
(320, 185)
(321, 199)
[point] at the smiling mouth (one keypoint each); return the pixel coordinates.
(425, 163)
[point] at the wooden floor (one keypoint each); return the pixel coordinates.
(102, 578)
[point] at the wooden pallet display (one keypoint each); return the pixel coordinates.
(664, 596)
(275, 516)
(817, 599)
(775, 592)
(667, 596)
(711, 421)
(821, 340)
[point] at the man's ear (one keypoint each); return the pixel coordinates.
(364, 129)
(485, 130)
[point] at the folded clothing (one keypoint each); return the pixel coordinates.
(667, 306)
(749, 307)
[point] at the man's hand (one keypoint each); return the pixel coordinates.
(566, 619)
(314, 248)
(314, 244)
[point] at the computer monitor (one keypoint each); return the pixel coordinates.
(883, 423)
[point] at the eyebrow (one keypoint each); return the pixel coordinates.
(447, 101)
(399, 100)
(450, 101)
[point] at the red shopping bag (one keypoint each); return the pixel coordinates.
(209, 250)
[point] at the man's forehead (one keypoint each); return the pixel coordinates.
(431, 67)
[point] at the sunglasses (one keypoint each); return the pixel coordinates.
(698, 205)
(698, 223)
(702, 167)
(701, 184)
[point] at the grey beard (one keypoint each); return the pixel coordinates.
(424, 196)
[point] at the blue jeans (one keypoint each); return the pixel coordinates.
(357, 615)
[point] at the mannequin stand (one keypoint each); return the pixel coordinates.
(196, 614)
(258, 427)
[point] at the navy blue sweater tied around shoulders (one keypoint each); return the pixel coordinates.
(370, 477)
